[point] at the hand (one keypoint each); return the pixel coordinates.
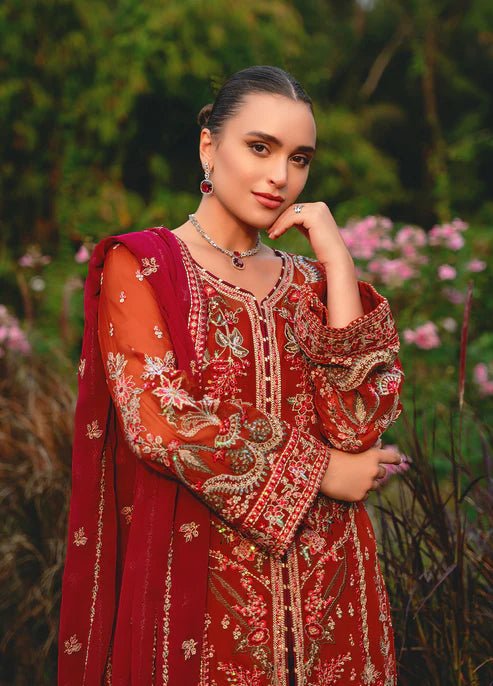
(351, 476)
(315, 222)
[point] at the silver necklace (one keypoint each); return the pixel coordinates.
(236, 256)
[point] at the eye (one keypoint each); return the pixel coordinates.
(257, 145)
(305, 161)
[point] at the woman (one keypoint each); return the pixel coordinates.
(252, 385)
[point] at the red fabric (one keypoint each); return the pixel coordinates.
(91, 576)
(219, 561)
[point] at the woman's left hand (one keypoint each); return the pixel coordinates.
(315, 222)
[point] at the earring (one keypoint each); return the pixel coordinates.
(206, 185)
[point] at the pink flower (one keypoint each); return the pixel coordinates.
(82, 254)
(391, 272)
(449, 324)
(481, 377)
(476, 265)
(424, 336)
(446, 271)
(480, 373)
(459, 224)
(364, 237)
(411, 235)
(454, 296)
(455, 242)
(448, 235)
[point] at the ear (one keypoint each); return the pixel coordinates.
(206, 147)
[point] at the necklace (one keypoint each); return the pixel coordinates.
(236, 256)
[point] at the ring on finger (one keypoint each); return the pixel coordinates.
(298, 208)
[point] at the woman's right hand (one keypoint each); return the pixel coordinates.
(350, 476)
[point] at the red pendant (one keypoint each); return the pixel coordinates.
(237, 260)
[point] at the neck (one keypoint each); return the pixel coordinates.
(227, 231)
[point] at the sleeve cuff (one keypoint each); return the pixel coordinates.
(374, 331)
(289, 493)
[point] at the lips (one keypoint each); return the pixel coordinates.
(277, 198)
(268, 201)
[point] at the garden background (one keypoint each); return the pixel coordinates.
(98, 106)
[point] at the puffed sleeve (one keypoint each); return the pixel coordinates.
(254, 470)
(356, 372)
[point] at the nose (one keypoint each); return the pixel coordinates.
(279, 173)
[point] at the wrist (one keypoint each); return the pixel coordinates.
(338, 262)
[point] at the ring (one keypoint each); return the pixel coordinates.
(298, 208)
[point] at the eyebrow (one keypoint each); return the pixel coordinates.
(272, 139)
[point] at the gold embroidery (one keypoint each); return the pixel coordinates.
(189, 647)
(127, 512)
(93, 430)
(72, 645)
(79, 537)
(369, 674)
(82, 366)
(150, 267)
(166, 613)
(99, 547)
(190, 530)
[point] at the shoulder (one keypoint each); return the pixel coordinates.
(308, 269)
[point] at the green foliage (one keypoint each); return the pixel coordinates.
(98, 103)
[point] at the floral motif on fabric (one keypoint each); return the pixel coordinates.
(150, 266)
(80, 537)
(93, 430)
(72, 645)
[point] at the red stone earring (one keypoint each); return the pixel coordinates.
(206, 185)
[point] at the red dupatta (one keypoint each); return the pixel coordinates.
(99, 615)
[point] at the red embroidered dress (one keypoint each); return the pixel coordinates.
(295, 594)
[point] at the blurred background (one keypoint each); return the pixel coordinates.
(98, 136)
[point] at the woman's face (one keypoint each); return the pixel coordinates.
(244, 163)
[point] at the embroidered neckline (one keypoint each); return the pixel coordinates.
(273, 291)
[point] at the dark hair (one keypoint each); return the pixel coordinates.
(256, 79)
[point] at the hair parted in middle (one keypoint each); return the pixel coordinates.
(255, 79)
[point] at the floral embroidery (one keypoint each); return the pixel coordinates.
(79, 537)
(330, 672)
(190, 530)
(72, 645)
(189, 647)
(82, 366)
(261, 476)
(150, 267)
(241, 676)
(93, 430)
(112, 330)
(123, 296)
(127, 512)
